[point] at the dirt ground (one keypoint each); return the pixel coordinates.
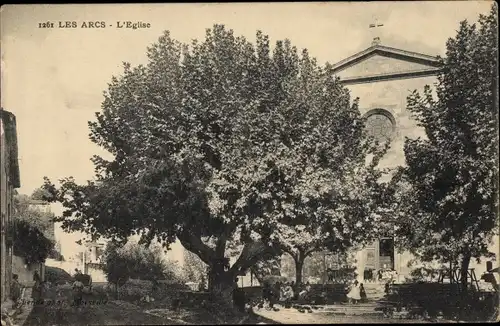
(58, 308)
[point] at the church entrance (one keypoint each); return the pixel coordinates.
(380, 254)
(386, 253)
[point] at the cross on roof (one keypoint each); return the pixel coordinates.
(376, 39)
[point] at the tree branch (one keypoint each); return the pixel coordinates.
(196, 246)
(249, 256)
(290, 251)
(220, 247)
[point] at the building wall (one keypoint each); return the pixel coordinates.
(26, 272)
(3, 213)
(391, 96)
(6, 191)
(96, 273)
(9, 180)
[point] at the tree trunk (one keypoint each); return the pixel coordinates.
(299, 266)
(464, 268)
(222, 277)
(221, 286)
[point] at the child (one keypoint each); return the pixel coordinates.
(304, 294)
(354, 294)
(362, 293)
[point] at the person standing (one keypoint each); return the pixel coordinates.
(287, 295)
(15, 291)
(362, 293)
(266, 295)
(36, 293)
(276, 293)
(354, 294)
(77, 292)
(239, 299)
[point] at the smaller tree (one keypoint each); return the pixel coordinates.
(270, 265)
(30, 243)
(132, 260)
(447, 195)
(37, 218)
(40, 194)
(27, 232)
(336, 236)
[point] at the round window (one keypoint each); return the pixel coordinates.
(380, 125)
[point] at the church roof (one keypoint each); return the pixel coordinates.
(417, 64)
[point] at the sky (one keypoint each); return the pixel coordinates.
(53, 79)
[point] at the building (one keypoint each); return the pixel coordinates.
(9, 180)
(91, 260)
(382, 77)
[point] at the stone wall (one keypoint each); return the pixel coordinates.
(391, 96)
(97, 274)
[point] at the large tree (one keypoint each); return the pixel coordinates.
(447, 197)
(220, 144)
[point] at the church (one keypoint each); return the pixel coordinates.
(382, 77)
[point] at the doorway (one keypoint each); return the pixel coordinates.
(386, 253)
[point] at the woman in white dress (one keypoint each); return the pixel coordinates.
(354, 294)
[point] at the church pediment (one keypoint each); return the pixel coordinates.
(383, 63)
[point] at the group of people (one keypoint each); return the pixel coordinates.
(386, 274)
(356, 293)
(284, 293)
(17, 290)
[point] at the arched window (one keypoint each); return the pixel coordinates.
(380, 124)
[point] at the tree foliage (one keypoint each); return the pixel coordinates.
(40, 194)
(24, 210)
(28, 231)
(266, 266)
(447, 196)
(30, 243)
(226, 144)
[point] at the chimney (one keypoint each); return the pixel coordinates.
(376, 41)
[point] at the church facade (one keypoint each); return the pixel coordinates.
(382, 77)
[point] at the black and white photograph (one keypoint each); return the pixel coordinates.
(249, 163)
